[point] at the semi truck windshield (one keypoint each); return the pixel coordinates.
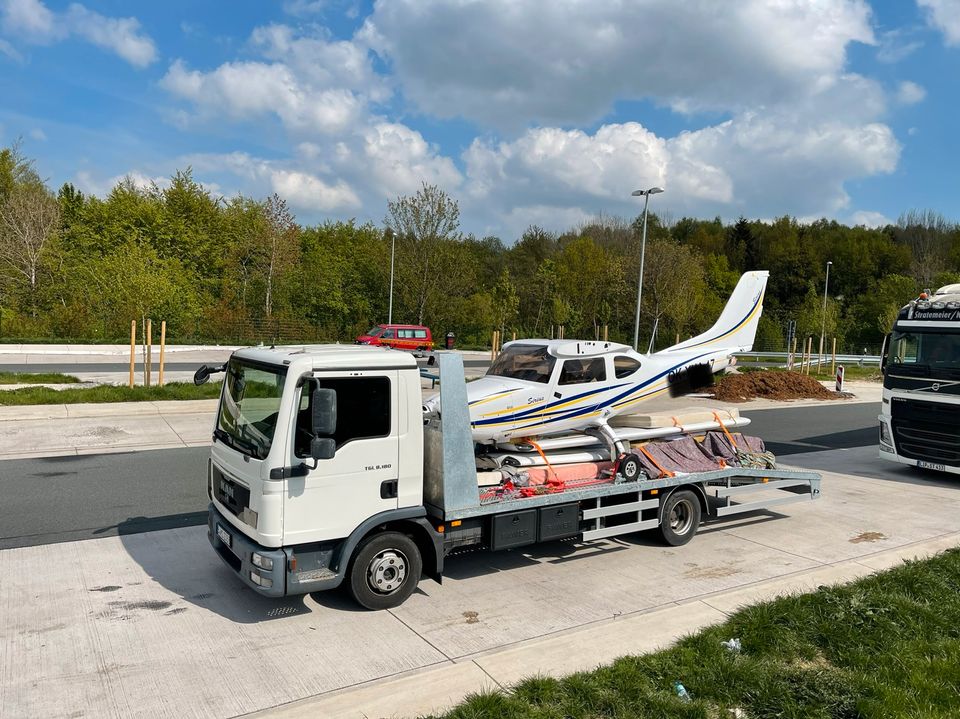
(931, 350)
(249, 407)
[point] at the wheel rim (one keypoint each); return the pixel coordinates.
(386, 571)
(681, 517)
(630, 468)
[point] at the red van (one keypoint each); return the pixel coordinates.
(416, 338)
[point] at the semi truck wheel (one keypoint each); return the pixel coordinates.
(680, 518)
(385, 570)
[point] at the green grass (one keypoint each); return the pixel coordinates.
(109, 393)
(36, 378)
(884, 647)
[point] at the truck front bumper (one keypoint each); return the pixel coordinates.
(237, 551)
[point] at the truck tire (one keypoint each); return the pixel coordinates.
(385, 570)
(680, 518)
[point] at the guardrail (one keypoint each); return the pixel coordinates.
(861, 360)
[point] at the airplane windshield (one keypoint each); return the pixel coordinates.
(531, 363)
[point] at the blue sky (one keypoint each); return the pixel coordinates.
(525, 112)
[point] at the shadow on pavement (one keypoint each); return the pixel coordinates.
(183, 562)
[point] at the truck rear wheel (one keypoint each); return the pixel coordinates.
(385, 570)
(680, 518)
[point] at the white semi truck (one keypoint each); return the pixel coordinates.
(920, 412)
(324, 472)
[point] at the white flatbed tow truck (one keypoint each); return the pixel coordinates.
(323, 472)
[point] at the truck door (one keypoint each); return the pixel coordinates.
(360, 480)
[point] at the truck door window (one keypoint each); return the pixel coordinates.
(577, 371)
(388, 335)
(363, 410)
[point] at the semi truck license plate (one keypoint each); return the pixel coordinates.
(224, 535)
(930, 465)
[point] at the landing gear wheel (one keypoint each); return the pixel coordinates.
(385, 570)
(630, 467)
(680, 518)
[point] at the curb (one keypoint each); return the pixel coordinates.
(440, 687)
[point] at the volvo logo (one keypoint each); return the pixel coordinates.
(935, 387)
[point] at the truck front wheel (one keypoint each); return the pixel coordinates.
(680, 518)
(385, 570)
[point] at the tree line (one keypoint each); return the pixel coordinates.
(80, 267)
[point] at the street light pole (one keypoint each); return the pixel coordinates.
(392, 243)
(823, 317)
(643, 247)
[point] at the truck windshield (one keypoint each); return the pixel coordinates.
(527, 362)
(250, 406)
(929, 352)
(375, 332)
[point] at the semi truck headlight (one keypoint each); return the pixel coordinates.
(261, 581)
(885, 437)
(263, 562)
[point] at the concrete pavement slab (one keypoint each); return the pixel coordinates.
(112, 625)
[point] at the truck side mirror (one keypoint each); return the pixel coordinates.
(322, 448)
(883, 352)
(324, 412)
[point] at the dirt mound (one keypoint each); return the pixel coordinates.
(770, 385)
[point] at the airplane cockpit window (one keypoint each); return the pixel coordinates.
(624, 366)
(527, 362)
(577, 371)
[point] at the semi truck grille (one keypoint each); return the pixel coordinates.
(927, 431)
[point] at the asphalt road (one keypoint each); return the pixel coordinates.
(60, 499)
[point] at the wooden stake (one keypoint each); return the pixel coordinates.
(133, 347)
(833, 358)
(606, 335)
(820, 355)
(514, 335)
(809, 352)
(163, 342)
(147, 365)
(793, 354)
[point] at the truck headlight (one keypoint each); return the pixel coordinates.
(885, 437)
(263, 562)
(261, 581)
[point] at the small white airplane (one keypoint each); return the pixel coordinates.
(546, 387)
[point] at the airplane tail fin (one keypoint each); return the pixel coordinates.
(737, 327)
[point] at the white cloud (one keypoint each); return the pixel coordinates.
(302, 8)
(120, 35)
(87, 182)
(309, 192)
(38, 134)
(10, 51)
(895, 46)
(870, 219)
(944, 15)
(399, 160)
(509, 63)
(30, 17)
(247, 90)
(762, 164)
(32, 21)
(910, 93)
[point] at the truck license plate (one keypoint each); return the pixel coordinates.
(930, 465)
(224, 535)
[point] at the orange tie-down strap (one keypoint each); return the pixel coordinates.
(663, 472)
(556, 480)
(733, 442)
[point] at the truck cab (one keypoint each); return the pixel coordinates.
(289, 499)
(920, 412)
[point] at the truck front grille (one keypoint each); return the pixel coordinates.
(235, 497)
(927, 431)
